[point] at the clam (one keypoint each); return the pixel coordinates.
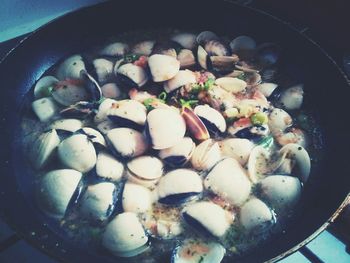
(206, 155)
(103, 109)
(136, 198)
(183, 77)
(216, 48)
(236, 148)
(95, 137)
(126, 142)
(179, 186)
(186, 58)
(256, 215)
(131, 75)
(268, 54)
(291, 135)
(186, 40)
(163, 67)
(242, 44)
(194, 124)
(68, 125)
(255, 133)
(168, 48)
(295, 160)
(267, 88)
(292, 98)
(213, 119)
(179, 154)
(77, 152)
(43, 148)
(279, 120)
(124, 236)
(166, 127)
(70, 91)
(105, 126)
(280, 191)
(229, 181)
(44, 86)
(98, 200)
(190, 251)
(108, 167)
(229, 84)
(145, 170)
(206, 36)
(45, 109)
(116, 49)
(259, 163)
(208, 218)
(104, 69)
(70, 68)
(128, 113)
(203, 58)
(111, 90)
(143, 48)
(224, 63)
(55, 190)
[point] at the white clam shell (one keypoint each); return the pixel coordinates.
(145, 170)
(103, 110)
(202, 56)
(95, 136)
(279, 120)
(45, 109)
(211, 216)
(211, 115)
(267, 88)
(166, 127)
(143, 48)
(281, 191)
(302, 159)
(163, 67)
(179, 181)
(229, 84)
(105, 126)
(71, 125)
(109, 167)
(206, 155)
(136, 198)
(111, 90)
(77, 152)
(97, 200)
(183, 149)
(43, 148)
(56, 189)
(183, 77)
(255, 214)
(292, 98)
(259, 163)
(186, 58)
(237, 148)
(229, 181)
(136, 73)
(115, 49)
(103, 68)
(124, 235)
(132, 110)
(187, 40)
(127, 142)
(70, 68)
(70, 94)
(42, 85)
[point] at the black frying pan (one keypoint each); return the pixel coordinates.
(326, 87)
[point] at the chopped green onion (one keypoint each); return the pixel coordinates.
(241, 76)
(208, 84)
(188, 103)
(162, 96)
(259, 118)
(148, 103)
(266, 142)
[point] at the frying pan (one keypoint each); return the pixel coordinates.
(326, 88)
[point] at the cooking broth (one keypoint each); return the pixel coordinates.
(195, 147)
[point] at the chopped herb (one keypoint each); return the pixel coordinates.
(201, 259)
(188, 103)
(130, 58)
(148, 103)
(162, 96)
(266, 142)
(259, 118)
(241, 76)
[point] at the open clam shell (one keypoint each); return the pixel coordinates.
(136, 198)
(108, 167)
(236, 148)
(179, 154)
(70, 68)
(206, 155)
(43, 86)
(116, 49)
(213, 119)
(163, 67)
